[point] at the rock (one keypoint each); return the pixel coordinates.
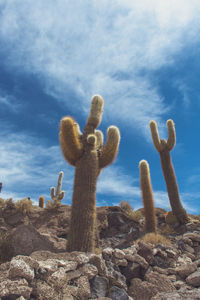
(117, 293)
(194, 279)
(141, 290)
(25, 239)
(145, 251)
(161, 281)
(185, 270)
(15, 287)
(118, 253)
(99, 263)
(99, 286)
(193, 236)
(18, 268)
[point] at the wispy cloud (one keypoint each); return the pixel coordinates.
(104, 47)
(26, 165)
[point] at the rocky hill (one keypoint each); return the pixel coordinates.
(126, 265)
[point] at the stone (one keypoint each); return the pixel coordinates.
(15, 287)
(99, 263)
(18, 268)
(145, 251)
(185, 270)
(193, 236)
(194, 279)
(99, 286)
(117, 293)
(118, 253)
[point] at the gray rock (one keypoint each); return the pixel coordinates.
(194, 279)
(116, 293)
(99, 286)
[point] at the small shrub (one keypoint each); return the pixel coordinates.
(136, 215)
(2, 203)
(24, 206)
(154, 239)
(125, 205)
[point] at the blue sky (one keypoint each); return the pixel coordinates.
(143, 58)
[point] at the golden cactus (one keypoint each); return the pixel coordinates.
(147, 197)
(88, 154)
(164, 147)
(41, 201)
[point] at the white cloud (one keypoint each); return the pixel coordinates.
(29, 168)
(100, 47)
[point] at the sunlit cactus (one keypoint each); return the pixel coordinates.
(88, 154)
(147, 197)
(41, 201)
(59, 195)
(164, 147)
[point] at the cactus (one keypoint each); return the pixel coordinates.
(147, 197)
(41, 201)
(164, 147)
(59, 195)
(88, 154)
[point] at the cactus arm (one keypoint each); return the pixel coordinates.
(53, 196)
(155, 135)
(99, 135)
(70, 143)
(171, 135)
(94, 118)
(147, 197)
(59, 184)
(110, 149)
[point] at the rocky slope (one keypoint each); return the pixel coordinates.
(35, 265)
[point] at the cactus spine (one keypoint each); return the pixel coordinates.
(164, 147)
(59, 195)
(41, 201)
(147, 197)
(88, 154)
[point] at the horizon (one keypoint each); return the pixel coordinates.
(142, 58)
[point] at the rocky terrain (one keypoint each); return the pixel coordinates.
(35, 265)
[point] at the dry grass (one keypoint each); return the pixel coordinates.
(24, 206)
(136, 215)
(6, 203)
(154, 239)
(125, 205)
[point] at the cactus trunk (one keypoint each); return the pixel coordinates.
(172, 186)
(83, 215)
(147, 197)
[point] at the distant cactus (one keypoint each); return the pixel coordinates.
(24, 205)
(41, 201)
(147, 197)
(164, 147)
(88, 154)
(59, 195)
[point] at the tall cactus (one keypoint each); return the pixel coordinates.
(164, 147)
(147, 197)
(88, 154)
(59, 195)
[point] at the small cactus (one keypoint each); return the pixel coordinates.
(59, 195)
(88, 154)
(147, 197)
(164, 147)
(41, 201)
